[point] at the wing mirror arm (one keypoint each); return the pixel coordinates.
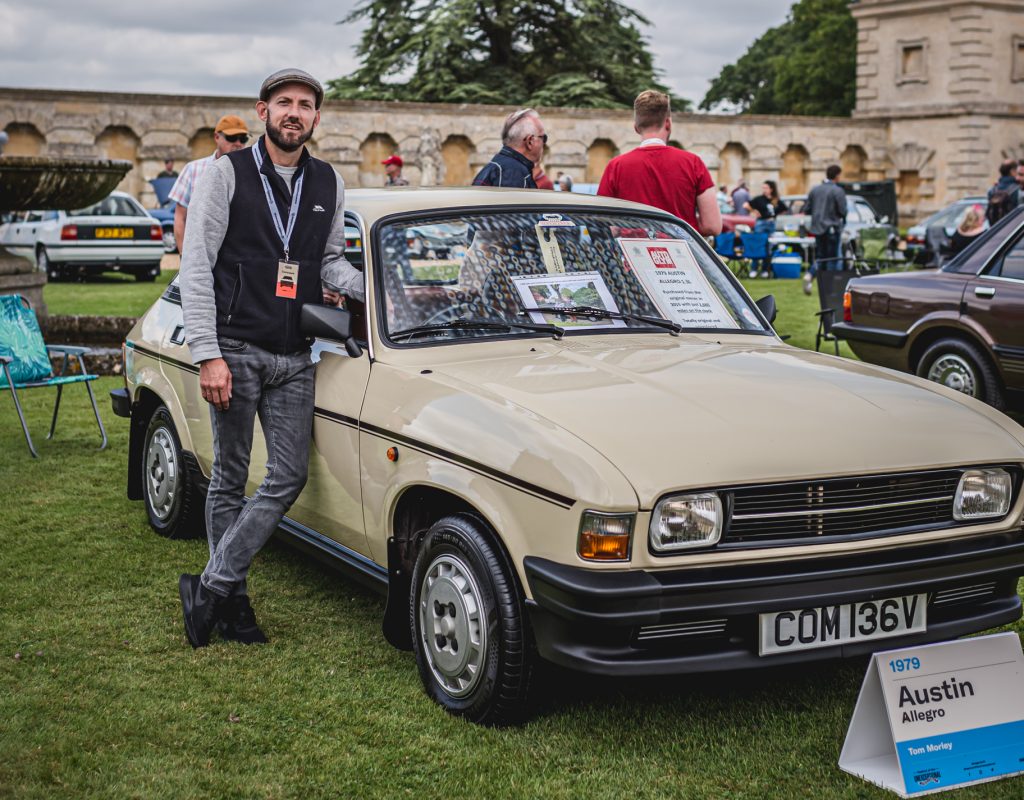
(326, 322)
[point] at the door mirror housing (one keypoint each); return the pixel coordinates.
(766, 305)
(327, 322)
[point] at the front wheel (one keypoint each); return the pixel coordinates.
(958, 364)
(469, 627)
(174, 503)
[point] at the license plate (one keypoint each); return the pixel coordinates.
(808, 628)
(114, 233)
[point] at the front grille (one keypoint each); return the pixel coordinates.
(840, 508)
(172, 293)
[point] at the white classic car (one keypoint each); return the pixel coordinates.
(114, 235)
(576, 438)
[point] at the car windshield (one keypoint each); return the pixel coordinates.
(110, 207)
(545, 270)
(953, 215)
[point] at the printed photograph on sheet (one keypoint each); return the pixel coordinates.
(567, 290)
(679, 288)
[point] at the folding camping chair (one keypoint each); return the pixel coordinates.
(25, 362)
(755, 248)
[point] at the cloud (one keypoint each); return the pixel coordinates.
(228, 47)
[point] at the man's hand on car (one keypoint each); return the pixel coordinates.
(215, 382)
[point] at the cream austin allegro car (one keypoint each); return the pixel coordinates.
(571, 435)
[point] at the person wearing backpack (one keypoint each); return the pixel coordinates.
(1005, 195)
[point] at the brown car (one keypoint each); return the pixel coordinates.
(961, 325)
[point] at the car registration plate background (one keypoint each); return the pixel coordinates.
(114, 233)
(827, 626)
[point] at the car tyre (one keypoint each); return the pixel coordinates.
(469, 627)
(53, 271)
(147, 273)
(960, 365)
(174, 504)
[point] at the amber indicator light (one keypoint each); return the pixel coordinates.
(392, 454)
(604, 546)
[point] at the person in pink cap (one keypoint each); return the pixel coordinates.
(393, 169)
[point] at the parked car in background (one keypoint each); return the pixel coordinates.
(733, 222)
(539, 453)
(114, 235)
(926, 239)
(961, 326)
(165, 211)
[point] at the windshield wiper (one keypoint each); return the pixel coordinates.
(479, 324)
(604, 313)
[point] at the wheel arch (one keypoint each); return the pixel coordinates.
(143, 407)
(929, 336)
(415, 510)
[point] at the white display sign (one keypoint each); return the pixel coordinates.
(678, 286)
(939, 716)
(565, 291)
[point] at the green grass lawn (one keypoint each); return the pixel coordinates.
(108, 295)
(101, 696)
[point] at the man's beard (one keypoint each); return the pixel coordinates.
(294, 139)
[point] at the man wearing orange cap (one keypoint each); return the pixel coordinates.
(393, 169)
(230, 134)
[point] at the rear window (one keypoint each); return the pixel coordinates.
(111, 207)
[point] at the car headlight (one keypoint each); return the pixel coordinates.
(685, 521)
(982, 494)
(605, 537)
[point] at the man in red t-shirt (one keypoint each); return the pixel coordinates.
(659, 175)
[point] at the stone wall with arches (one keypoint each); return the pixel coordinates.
(448, 144)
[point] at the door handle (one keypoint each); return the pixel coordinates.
(984, 291)
(178, 336)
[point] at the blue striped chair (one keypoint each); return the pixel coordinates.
(25, 362)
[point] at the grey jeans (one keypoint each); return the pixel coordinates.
(278, 389)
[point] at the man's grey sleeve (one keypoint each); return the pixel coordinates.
(841, 203)
(335, 271)
(204, 234)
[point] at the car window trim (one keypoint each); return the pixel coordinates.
(444, 213)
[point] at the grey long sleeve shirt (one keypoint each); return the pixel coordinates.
(207, 224)
(827, 206)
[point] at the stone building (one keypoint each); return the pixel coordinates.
(940, 100)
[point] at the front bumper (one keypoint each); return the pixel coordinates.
(121, 403)
(594, 621)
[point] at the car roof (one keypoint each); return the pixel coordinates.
(372, 204)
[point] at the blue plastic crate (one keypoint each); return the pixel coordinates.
(787, 265)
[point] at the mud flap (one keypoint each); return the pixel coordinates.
(396, 612)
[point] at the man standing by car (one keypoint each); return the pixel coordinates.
(666, 177)
(826, 206)
(230, 135)
(522, 139)
(266, 235)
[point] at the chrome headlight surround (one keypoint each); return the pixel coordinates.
(983, 494)
(685, 522)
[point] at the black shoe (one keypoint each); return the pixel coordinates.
(238, 621)
(200, 608)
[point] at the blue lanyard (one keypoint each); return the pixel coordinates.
(293, 210)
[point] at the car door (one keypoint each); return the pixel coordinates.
(331, 504)
(995, 301)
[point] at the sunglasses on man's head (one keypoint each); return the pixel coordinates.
(236, 137)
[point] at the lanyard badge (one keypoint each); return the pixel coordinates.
(287, 270)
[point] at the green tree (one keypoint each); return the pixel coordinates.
(807, 65)
(584, 53)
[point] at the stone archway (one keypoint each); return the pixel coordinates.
(25, 140)
(732, 164)
(852, 161)
(457, 153)
(600, 152)
(374, 149)
(202, 144)
(793, 176)
(121, 142)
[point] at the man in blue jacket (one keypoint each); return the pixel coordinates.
(523, 139)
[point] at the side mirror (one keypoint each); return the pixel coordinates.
(766, 305)
(325, 322)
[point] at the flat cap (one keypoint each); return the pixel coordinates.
(291, 75)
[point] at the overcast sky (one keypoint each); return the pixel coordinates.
(227, 47)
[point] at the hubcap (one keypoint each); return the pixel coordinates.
(161, 473)
(955, 372)
(452, 626)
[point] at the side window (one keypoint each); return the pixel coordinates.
(1013, 262)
